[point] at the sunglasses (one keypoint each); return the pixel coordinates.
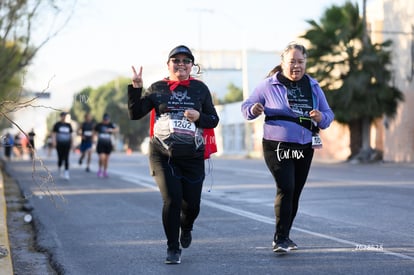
(185, 61)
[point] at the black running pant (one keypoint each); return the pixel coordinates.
(180, 182)
(63, 150)
(289, 164)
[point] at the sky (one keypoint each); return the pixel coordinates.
(103, 38)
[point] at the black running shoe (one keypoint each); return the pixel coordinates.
(185, 238)
(173, 256)
(292, 245)
(280, 246)
(87, 169)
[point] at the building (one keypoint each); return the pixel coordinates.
(387, 19)
(394, 20)
(244, 69)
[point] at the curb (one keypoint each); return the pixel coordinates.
(6, 266)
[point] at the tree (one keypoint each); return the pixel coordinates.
(18, 22)
(354, 72)
(234, 94)
(81, 104)
(111, 98)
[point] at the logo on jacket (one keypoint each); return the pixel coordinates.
(180, 95)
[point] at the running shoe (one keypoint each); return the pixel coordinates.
(87, 169)
(185, 238)
(105, 174)
(173, 256)
(66, 175)
(100, 174)
(280, 246)
(292, 245)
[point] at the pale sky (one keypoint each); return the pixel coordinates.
(104, 37)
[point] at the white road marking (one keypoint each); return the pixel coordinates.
(148, 182)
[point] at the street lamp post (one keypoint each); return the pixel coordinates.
(200, 28)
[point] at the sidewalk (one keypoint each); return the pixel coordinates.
(6, 267)
(21, 170)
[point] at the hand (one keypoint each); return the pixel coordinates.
(192, 115)
(257, 109)
(315, 115)
(136, 77)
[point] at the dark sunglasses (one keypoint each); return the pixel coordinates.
(185, 61)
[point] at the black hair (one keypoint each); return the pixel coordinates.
(290, 46)
(294, 45)
(277, 68)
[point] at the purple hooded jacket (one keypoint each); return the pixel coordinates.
(272, 94)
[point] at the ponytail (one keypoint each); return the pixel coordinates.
(276, 69)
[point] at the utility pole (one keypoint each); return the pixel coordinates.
(200, 12)
(366, 122)
(364, 23)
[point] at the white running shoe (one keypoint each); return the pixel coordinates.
(66, 176)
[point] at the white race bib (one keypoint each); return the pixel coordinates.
(104, 136)
(182, 126)
(87, 133)
(316, 141)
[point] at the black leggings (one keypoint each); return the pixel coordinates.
(289, 164)
(180, 182)
(63, 154)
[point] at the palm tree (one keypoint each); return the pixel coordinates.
(354, 72)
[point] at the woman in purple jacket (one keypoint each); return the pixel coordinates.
(295, 108)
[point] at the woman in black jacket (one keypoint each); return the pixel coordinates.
(181, 109)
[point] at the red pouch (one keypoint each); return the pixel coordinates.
(209, 142)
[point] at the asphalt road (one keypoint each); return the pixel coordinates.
(353, 219)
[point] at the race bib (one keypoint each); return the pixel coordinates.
(87, 133)
(316, 141)
(182, 126)
(104, 136)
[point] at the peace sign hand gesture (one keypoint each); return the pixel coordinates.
(136, 77)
